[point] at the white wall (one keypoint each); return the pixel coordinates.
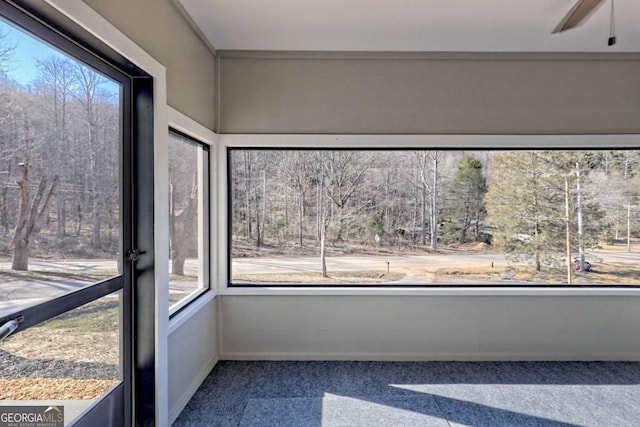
(430, 327)
(193, 352)
(193, 348)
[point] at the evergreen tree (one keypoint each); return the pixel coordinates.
(526, 204)
(467, 196)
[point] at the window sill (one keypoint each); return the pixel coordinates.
(480, 291)
(190, 310)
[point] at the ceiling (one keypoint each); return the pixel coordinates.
(411, 25)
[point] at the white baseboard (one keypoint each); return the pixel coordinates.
(179, 406)
(391, 357)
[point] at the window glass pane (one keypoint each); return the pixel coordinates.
(188, 219)
(70, 360)
(398, 218)
(59, 171)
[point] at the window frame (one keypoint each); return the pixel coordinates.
(405, 142)
(189, 129)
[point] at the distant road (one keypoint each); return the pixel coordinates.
(356, 263)
(19, 291)
(403, 264)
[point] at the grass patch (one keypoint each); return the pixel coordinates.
(97, 316)
(355, 277)
(89, 276)
(601, 274)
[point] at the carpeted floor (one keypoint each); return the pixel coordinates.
(313, 394)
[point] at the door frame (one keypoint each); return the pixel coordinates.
(133, 400)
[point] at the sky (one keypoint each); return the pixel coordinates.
(24, 66)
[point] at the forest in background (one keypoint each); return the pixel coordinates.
(285, 201)
(59, 174)
(59, 159)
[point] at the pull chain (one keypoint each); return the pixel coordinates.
(612, 37)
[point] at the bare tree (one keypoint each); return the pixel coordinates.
(322, 215)
(182, 226)
(31, 216)
(7, 51)
(345, 173)
(248, 175)
(89, 95)
(295, 166)
(56, 78)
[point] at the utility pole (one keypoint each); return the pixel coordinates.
(629, 227)
(568, 221)
(580, 235)
(434, 201)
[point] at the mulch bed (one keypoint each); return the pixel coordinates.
(53, 388)
(47, 363)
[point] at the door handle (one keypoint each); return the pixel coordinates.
(9, 327)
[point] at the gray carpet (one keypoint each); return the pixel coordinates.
(314, 394)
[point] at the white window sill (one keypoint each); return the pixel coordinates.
(190, 310)
(426, 291)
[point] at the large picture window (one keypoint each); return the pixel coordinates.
(327, 217)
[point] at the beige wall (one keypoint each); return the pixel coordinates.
(365, 93)
(269, 92)
(430, 327)
(160, 29)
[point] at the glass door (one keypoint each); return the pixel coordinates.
(69, 226)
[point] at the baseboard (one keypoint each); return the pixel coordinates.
(393, 357)
(191, 390)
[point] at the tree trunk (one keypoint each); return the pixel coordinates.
(4, 212)
(319, 191)
(323, 227)
(300, 214)
(31, 216)
(465, 223)
(78, 219)
(20, 259)
(423, 219)
(264, 201)
(247, 193)
(258, 224)
(182, 227)
(97, 223)
(434, 203)
(323, 254)
(60, 224)
(177, 263)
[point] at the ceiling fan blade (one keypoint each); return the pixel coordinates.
(577, 15)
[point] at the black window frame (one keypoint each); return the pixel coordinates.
(426, 286)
